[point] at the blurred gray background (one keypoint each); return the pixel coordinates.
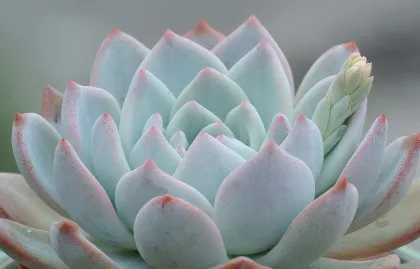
(46, 41)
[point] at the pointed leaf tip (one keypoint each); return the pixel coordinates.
(341, 184)
(352, 46)
(19, 118)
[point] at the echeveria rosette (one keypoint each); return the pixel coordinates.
(197, 154)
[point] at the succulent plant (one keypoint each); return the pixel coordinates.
(198, 154)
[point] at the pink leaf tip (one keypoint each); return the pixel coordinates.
(341, 184)
(352, 46)
(150, 164)
(165, 200)
(19, 118)
(66, 227)
(253, 20)
(382, 118)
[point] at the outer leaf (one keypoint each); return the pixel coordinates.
(206, 164)
(208, 88)
(231, 49)
(28, 246)
(165, 58)
(328, 64)
(171, 233)
(273, 180)
(240, 263)
(115, 63)
(51, 106)
(316, 229)
(33, 137)
(204, 35)
(147, 95)
(279, 129)
(19, 203)
(107, 154)
(398, 227)
(338, 157)
(139, 186)
(260, 74)
(246, 125)
(388, 262)
(82, 106)
(190, 119)
(153, 144)
(237, 146)
(305, 143)
(86, 200)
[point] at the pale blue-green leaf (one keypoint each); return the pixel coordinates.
(362, 169)
(208, 88)
(52, 101)
(279, 129)
(82, 106)
(315, 229)
(204, 35)
(147, 95)
(176, 60)
(172, 233)
(257, 201)
(305, 143)
(33, 142)
(107, 154)
(322, 114)
(310, 100)
(153, 144)
(206, 164)
(28, 246)
(181, 151)
(261, 76)
(395, 177)
(140, 185)
(246, 125)
(237, 146)
(191, 119)
(6, 262)
(85, 199)
(231, 49)
(115, 63)
(334, 138)
(218, 128)
(19, 203)
(327, 65)
(388, 262)
(178, 139)
(154, 120)
(337, 158)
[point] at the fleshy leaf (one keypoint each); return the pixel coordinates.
(231, 49)
(240, 263)
(337, 158)
(30, 247)
(311, 99)
(261, 76)
(395, 177)
(237, 146)
(52, 101)
(305, 143)
(82, 106)
(139, 186)
(115, 63)
(208, 88)
(154, 120)
(153, 144)
(284, 188)
(32, 137)
(171, 233)
(315, 229)
(204, 35)
(327, 65)
(86, 200)
(206, 164)
(363, 167)
(178, 139)
(171, 50)
(398, 227)
(19, 203)
(107, 154)
(334, 138)
(218, 128)
(387, 262)
(279, 129)
(191, 118)
(147, 95)
(246, 125)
